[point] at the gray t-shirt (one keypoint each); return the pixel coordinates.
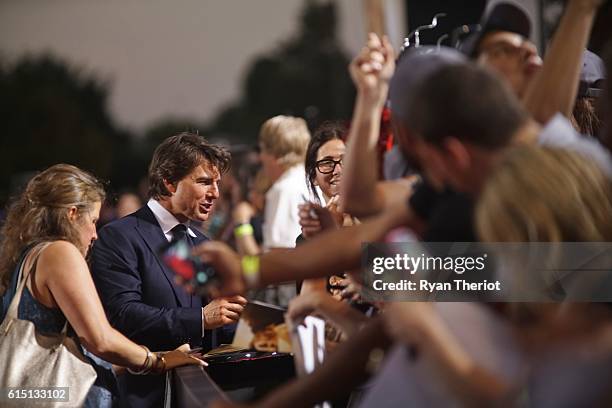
(558, 132)
(404, 381)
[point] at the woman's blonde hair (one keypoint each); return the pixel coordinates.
(40, 212)
(545, 195)
(286, 138)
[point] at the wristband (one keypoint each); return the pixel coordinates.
(243, 230)
(250, 270)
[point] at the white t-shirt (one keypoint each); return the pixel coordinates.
(281, 221)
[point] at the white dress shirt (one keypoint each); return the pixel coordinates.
(167, 221)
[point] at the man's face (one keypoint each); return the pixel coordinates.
(455, 164)
(512, 56)
(196, 193)
(433, 162)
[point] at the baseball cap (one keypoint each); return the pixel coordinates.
(501, 17)
(412, 70)
(591, 76)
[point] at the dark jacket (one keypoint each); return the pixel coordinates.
(142, 301)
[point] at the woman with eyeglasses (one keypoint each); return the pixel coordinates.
(323, 167)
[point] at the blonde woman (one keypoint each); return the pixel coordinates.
(51, 226)
(555, 195)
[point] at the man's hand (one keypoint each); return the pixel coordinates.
(222, 311)
(226, 263)
(373, 68)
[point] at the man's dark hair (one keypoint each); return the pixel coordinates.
(469, 103)
(178, 155)
(327, 131)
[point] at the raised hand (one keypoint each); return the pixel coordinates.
(373, 68)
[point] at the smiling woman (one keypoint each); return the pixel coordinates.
(324, 160)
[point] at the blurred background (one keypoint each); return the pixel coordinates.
(99, 84)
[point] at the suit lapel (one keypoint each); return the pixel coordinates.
(154, 238)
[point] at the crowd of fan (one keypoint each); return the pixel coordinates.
(492, 144)
(496, 146)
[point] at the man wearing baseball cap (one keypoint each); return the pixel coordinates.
(503, 44)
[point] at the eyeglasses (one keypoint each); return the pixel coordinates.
(327, 166)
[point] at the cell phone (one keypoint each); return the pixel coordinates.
(311, 213)
(177, 255)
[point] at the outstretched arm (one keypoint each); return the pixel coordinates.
(324, 255)
(361, 193)
(339, 313)
(555, 87)
(339, 374)
(63, 271)
(418, 324)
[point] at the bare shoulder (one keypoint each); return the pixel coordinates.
(62, 248)
(61, 255)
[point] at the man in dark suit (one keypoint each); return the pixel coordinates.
(137, 289)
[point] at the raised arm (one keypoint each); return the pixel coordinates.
(361, 193)
(339, 374)
(555, 87)
(418, 324)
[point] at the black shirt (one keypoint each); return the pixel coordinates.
(449, 215)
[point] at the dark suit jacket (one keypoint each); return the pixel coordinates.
(141, 300)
